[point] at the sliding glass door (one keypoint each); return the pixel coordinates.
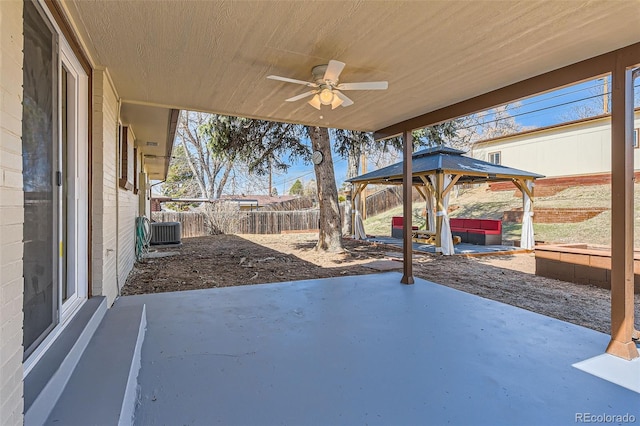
(40, 175)
(55, 181)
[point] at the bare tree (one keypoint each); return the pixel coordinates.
(210, 169)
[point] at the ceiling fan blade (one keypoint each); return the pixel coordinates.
(301, 96)
(291, 80)
(334, 68)
(370, 85)
(344, 98)
(315, 102)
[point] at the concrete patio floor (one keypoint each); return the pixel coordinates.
(363, 350)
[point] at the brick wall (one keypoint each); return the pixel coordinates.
(550, 186)
(555, 215)
(11, 214)
(105, 125)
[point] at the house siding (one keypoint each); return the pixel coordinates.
(104, 279)
(578, 149)
(11, 214)
(128, 204)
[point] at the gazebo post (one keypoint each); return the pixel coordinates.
(407, 187)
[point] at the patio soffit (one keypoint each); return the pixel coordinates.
(215, 56)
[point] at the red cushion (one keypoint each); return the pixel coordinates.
(493, 225)
(397, 221)
(483, 231)
(473, 223)
(456, 222)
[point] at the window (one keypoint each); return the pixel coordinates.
(135, 171)
(127, 159)
(495, 157)
(636, 138)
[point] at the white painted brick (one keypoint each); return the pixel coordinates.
(10, 101)
(11, 333)
(10, 272)
(10, 308)
(11, 252)
(11, 126)
(11, 290)
(8, 369)
(10, 141)
(11, 215)
(11, 196)
(12, 179)
(12, 233)
(9, 160)
(11, 411)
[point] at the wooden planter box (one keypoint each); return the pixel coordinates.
(581, 264)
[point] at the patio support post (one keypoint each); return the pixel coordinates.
(622, 300)
(407, 187)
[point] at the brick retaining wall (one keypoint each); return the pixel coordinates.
(555, 215)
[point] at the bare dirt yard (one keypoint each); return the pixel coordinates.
(231, 260)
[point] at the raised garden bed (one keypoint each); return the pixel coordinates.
(580, 264)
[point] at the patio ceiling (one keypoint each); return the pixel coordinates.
(215, 56)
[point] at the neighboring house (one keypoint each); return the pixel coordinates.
(581, 148)
(75, 165)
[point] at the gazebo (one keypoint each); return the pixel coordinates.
(435, 172)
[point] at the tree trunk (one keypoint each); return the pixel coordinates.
(330, 235)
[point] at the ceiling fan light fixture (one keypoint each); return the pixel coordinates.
(326, 96)
(315, 102)
(336, 102)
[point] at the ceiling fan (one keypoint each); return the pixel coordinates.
(326, 90)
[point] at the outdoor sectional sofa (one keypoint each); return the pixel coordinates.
(477, 231)
(397, 223)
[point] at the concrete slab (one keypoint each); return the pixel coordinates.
(45, 382)
(159, 254)
(613, 369)
(363, 350)
(463, 249)
(103, 388)
(384, 265)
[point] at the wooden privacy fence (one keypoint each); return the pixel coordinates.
(275, 222)
(196, 224)
(386, 199)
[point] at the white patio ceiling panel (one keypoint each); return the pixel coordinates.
(215, 56)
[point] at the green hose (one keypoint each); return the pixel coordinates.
(143, 237)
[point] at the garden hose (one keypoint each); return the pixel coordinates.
(143, 236)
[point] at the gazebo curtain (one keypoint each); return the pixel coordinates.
(358, 227)
(527, 240)
(446, 240)
(430, 204)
